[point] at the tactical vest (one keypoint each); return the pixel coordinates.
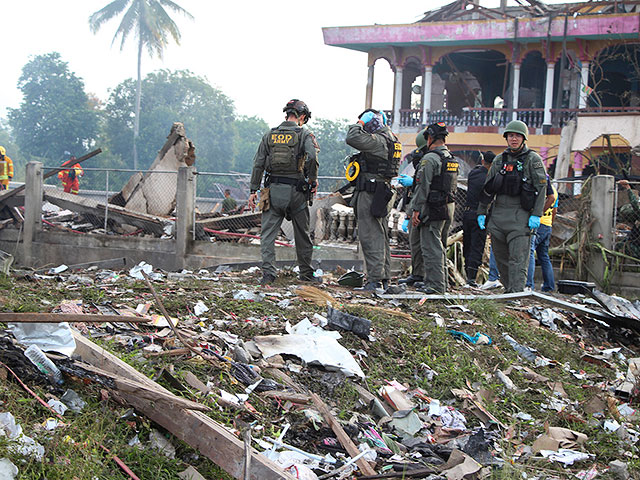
(509, 179)
(447, 181)
(285, 147)
(379, 166)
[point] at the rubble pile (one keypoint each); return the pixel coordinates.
(318, 382)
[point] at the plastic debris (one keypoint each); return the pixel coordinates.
(345, 321)
(8, 471)
(160, 443)
(311, 349)
(247, 295)
(57, 406)
(58, 269)
(200, 308)
(72, 400)
(565, 456)
(136, 272)
(50, 337)
(44, 364)
(477, 339)
(19, 442)
(525, 352)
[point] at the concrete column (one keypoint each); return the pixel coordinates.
(516, 90)
(185, 206)
(397, 98)
(548, 94)
(602, 205)
(369, 96)
(32, 210)
(427, 77)
(584, 84)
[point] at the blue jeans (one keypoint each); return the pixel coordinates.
(540, 247)
(493, 267)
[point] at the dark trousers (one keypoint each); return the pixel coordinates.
(473, 240)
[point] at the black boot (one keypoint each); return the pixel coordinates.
(370, 287)
(410, 280)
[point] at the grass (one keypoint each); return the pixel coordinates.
(403, 350)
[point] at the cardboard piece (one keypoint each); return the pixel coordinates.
(558, 437)
(460, 466)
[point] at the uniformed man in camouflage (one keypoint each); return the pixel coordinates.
(288, 155)
(409, 183)
(379, 159)
(517, 180)
(435, 187)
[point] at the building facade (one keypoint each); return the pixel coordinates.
(478, 68)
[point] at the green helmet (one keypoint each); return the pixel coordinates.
(516, 126)
(421, 140)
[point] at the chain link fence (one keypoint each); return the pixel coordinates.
(111, 201)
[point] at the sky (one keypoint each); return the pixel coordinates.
(260, 54)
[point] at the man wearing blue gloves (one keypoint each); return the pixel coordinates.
(434, 188)
(417, 264)
(379, 159)
(517, 180)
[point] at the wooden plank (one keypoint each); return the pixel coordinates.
(68, 317)
(343, 438)
(204, 434)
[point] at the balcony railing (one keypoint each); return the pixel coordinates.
(498, 117)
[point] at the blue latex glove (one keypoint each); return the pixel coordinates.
(366, 117)
(384, 118)
(534, 222)
(481, 221)
(405, 225)
(405, 180)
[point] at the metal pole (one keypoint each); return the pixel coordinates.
(106, 204)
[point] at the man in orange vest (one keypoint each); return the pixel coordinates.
(69, 178)
(6, 169)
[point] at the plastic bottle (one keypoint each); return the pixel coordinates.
(44, 364)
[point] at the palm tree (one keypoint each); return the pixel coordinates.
(152, 26)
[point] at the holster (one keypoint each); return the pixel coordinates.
(381, 196)
(265, 199)
(528, 196)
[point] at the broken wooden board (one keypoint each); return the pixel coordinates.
(342, 436)
(504, 297)
(204, 434)
(244, 220)
(68, 317)
(148, 223)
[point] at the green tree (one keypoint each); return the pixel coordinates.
(152, 27)
(167, 97)
(55, 115)
(331, 135)
(248, 133)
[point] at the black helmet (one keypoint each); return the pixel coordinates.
(298, 107)
(436, 130)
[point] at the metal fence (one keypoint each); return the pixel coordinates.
(114, 202)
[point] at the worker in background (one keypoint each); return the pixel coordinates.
(435, 188)
(540, 243)
(417, 264)
(474, 238)
(228, 204)
(6, 169)
(288, 154)
(517, 181)
(630, 213)
(70, 178)
(379, 160)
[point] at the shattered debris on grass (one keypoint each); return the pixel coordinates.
(481, 389)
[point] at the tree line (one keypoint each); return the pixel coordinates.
(57, 115)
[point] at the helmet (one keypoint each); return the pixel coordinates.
(299, 107)
(516, 126)
(421, 140)
(437, 130)
(352, 279)
(2, 151)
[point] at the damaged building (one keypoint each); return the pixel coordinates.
(477, 68)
